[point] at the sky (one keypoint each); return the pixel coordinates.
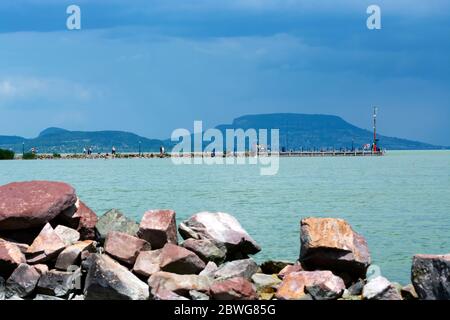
(151, 66)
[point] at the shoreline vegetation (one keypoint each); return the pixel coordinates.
(53, 247)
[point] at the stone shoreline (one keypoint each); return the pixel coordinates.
(53, 246)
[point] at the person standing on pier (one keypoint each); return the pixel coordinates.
(113, 151)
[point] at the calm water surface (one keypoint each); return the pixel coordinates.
(400, 202)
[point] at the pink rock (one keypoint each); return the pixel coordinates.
(10, 257)
(71, 255)
(46, 246)
(158, 227)
(124, 247)
(25, 205)
(162, 294)
(233, 289)
(147, 263)
(41, 268)
(289, 269)
(180, 284)
(322, 285)
(221, 228)
(179, 260)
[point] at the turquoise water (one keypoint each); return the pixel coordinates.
(400, 202)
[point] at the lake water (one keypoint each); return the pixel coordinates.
(400, 202)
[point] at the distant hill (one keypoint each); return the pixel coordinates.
(310, 131)
(296, 131)
(64, 141)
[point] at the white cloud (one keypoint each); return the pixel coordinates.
(21, 89)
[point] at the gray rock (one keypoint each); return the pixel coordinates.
(245, 268)
(46, 297)
(197, 295)
(108, 280)
(356, 288)
(430, 275)
(68, 235)
(2, 289)
(58, 283)
(380, 289)
(114, 220)
(206, 249)
(22, 281)
(265, 282)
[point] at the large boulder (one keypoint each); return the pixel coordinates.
(244, 268)
(233, 289)
(30, 204)
(158, 227)
(114, 220)
(206, 249)
(222, 228)
(10, 258)
(71, 255)
(321, 285)
(430, 275)
(47, 245)
(331, 244)
(380, 288)
(108, 280)
(180, 284)
(123, 247)
(80, 217)
(147, 263)
(22, 281)
(179, 260)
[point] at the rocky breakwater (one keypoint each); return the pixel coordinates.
(53, 247)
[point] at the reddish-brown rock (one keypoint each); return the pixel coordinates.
(46, 246)
(71, 255)
(221, 228)
(147, 263)
(82, 218)
(233, 289)
(22, 281)
(10, 258)
(321, 285)
(30, 204)
(158, 227)
(124, 247)
(331, 244)
(179, 260)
